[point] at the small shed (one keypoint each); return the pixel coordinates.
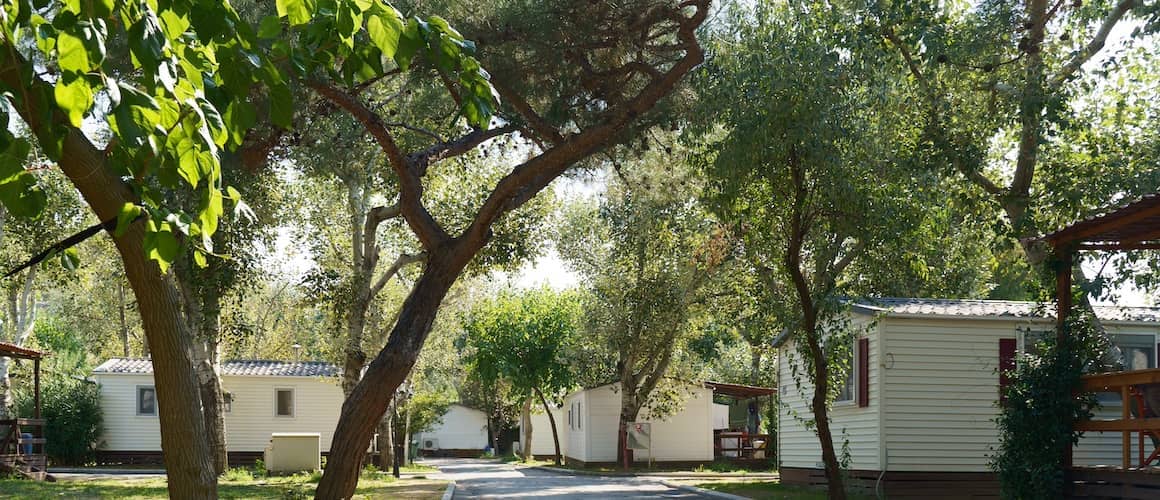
(22, 439)
(462, 432)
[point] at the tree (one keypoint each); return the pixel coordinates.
(649, 251)
(21, 238)
(642, 63)
(805, 151)
(1008, 92)
(523, 339)
(198, 76)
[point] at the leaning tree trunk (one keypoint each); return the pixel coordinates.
(836, 488)
(552, 422)
(372, 395)
(186, 453)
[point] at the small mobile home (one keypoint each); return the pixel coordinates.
(461, 432)
(917, 411)
(592, 421)
(543, 446)
(262, 398)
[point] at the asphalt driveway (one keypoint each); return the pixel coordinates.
(476, 478)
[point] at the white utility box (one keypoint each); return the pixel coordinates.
(290, 452)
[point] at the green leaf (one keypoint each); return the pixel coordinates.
(129, 213)
(409, 43)
(19, 191)
(199, 259)
(74, 98)
(296, 11)
(70, 259)
(281, 106)
(161, 246)
(240, 117)
(71, 54)
(270, 28)
(386, 31)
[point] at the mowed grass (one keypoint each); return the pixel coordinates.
(298, 486)
(763, 490)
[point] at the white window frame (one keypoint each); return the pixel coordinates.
(852, 378)
(137, 400)
(293, 402)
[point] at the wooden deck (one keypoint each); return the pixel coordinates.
(1133, 477)
(741, 446)
(22, 447)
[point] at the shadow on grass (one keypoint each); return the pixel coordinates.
(259, 488)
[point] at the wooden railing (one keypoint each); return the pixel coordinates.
(1123, 383)
(741, 445)
(22, 446)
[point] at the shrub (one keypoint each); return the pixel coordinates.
(1036, 423)
(259, 468)
(72, 412)
(238, 474)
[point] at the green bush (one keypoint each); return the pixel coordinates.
(238, 474)
(72, 412)
(1036, 423)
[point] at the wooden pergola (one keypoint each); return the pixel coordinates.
(22, 439)
(1132, 226)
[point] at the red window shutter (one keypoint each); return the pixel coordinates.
(863, 372)
(1006, 365)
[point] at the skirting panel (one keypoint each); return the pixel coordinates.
(960, 485)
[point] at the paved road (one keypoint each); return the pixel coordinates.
(489, 479)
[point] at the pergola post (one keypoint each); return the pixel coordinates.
(36, 388)
(1064, 261)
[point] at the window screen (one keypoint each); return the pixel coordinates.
(284, 402)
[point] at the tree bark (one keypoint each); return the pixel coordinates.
(526, 429)
(186, 453)
(552, 422)
(21, 322)
(372, 395)
(124, 325)
(386, 442)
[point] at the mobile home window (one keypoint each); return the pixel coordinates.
(846, 382)
(227, 402)
(579, 415)
(146, 400)
(284, 402)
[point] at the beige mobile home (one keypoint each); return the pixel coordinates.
(592, 421)
(262, 398)
(918, 408)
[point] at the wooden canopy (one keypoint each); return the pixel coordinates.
(15, 351)
(739, 391)
(1133, 226)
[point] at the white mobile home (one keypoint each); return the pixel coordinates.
(918, 408)
(262, 398)
(543, 446)
(592, 420)
(461, 432)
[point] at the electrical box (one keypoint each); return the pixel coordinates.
(290, 452)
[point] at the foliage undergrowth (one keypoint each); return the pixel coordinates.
(72, 412)
(1036, 422)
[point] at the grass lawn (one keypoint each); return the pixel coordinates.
(298, 486)
(761, 490)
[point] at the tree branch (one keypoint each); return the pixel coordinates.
(403, 260)
(544, 130)
(425, 227)
(445, 149)
(1095, 45)
(370, 254)
(534, 175)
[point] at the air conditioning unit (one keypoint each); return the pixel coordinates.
(429, 444)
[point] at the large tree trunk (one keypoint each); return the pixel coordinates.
(203, 314)
(552, 422)
(386, 441)
(372, 395)
(837, 489)
(185, 450)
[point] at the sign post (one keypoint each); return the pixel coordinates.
(640, 438)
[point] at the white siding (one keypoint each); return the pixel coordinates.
(686, 435)
(600, 418)
(317, 403)
(797, 445)
(461, 428)
(941, 387)
(542, 442)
